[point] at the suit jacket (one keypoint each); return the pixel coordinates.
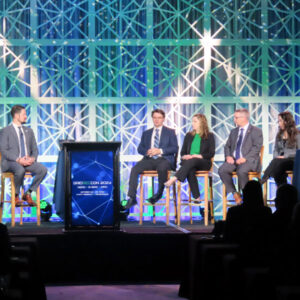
(9, 145)
(251, 146)
(284, 149)
(168, 143)
(207, 147)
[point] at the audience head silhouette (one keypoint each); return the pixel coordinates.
(252, 194)
(286, 198)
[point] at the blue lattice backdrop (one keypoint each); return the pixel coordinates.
(94, 70)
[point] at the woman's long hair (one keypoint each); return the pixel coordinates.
(203, 128)
(289, 126)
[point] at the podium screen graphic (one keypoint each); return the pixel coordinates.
(92, 188)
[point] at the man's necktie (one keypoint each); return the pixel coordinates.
(238, 145)
(156, 141)
(22, 143)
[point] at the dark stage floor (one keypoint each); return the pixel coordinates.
(148, 253)
(53, 228)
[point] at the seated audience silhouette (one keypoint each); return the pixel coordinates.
(285, 264)
(248, 223)
(285, 201)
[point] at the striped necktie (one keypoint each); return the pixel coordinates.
(156, 141)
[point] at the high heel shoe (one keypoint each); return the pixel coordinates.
(170, 181)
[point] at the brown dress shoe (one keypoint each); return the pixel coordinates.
(27, 197)
(237, 197)
(18, 202)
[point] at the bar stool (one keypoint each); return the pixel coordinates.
(10, 176)
(251, 175)
(207, 175)
(166, 203)
(265, 189)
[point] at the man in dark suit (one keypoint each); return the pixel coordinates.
(242, 153)
(159, 147)
(19, 154)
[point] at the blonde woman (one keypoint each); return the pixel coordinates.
(196, 153)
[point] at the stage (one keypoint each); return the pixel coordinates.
(148, 253)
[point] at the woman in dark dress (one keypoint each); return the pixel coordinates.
(286, 144)
(197, 150)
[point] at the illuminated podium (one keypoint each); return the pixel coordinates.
(92, 185)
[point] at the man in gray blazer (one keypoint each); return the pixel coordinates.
(242, 153)
(19, 154)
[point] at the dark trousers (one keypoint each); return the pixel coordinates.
(161, 165)
(277, 169)
(188, 169)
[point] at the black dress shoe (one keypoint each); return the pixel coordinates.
(154, 198)
(130, 202)
(123, 214)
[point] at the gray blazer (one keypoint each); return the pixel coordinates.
(251, 146)
(283, 149)
(9, 145)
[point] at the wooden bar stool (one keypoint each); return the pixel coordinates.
(10, 176)
(207, 175)
(166, 203)
(251, 175)
(269, 202)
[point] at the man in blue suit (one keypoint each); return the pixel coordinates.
(159, 146)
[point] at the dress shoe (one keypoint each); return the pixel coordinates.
(123, 215)
(27, 197)
(130, 202)
(237, 198)
(18, 202)
(154, 198)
